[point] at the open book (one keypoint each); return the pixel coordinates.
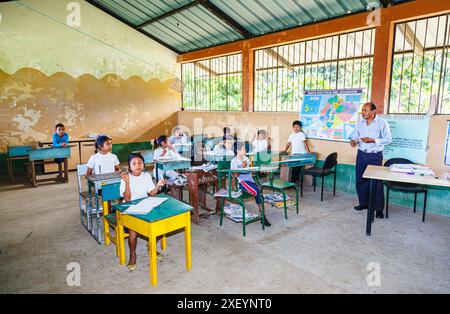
(145, 206)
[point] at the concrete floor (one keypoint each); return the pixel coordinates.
(322, 250)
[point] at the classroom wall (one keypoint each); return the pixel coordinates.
(279, 125)
(100, 76)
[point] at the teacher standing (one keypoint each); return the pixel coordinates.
(370, 136)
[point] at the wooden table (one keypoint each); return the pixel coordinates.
(16, 153)
(170, 216)
(374, 173)
(43, 154)
(198, 181)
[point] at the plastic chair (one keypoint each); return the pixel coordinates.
(404, 187)
(322, 172)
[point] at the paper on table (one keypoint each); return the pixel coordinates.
(145, 206)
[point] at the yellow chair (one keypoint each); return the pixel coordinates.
(110, 192)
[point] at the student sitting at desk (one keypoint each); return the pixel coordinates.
(299, 144)
(135, 184)
(166, 150)
(246, 182)
(178, 137)
(262, 142)
(225, 147)
(104, 161)
(60, 139)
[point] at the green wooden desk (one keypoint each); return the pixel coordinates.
(170, 216)
(38, 154)
(16, 153)
(171, 165)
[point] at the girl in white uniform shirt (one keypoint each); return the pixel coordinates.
(135, 184)
(104, 161)
(166, 150)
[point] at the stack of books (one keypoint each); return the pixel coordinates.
(234, 212)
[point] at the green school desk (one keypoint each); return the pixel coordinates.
(170, 216)
(16, 153)
(38, 154)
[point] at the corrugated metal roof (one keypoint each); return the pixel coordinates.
(191, 29)
(187, 25)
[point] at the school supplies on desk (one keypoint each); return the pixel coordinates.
(412, 169)
(145, 206)
(204, 167)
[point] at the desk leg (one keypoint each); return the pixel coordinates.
(120, 242)
(9, 166)
(66, 170)
(187, 242)
(33, 174)
(193, 197)
(370, 208)
(153, 271)
(163, 242)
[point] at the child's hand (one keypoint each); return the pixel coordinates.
(125, 177)
(161, 183)
(63, 144)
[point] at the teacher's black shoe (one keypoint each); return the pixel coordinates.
(379, 215)
(360, 207)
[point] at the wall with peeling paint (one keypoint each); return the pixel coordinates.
(98, 77)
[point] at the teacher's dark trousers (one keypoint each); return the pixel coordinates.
(363, 185)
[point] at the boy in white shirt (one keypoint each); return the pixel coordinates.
(299, 144)
(104, 161)
(262, 142)
(135, 184)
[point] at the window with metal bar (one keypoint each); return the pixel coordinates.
(213, 84)
(420, 78)
(284, 73)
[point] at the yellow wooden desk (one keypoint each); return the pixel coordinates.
(170, 216)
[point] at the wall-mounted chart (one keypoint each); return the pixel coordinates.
(330, 114)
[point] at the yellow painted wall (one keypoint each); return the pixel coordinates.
(99, 77)
(279, 126)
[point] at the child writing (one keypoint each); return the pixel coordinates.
(135, 184)
(262, 142)
(104, 161)
(166, 150)
(246, 182)
(299, 144)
